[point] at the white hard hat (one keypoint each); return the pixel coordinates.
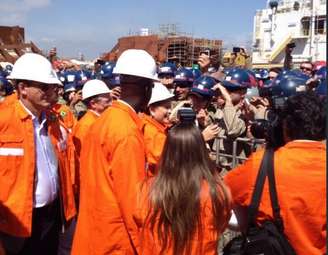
(93, 88)
(136, 62)
(159, 93)
(34, 67)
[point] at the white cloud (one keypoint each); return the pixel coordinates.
(14, 12)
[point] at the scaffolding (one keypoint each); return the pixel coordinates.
(170, 44)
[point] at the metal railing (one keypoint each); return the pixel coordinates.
(235, 158)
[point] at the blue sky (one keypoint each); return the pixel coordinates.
(93, 27)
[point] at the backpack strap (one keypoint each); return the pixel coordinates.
(273, 193)
(258, 190)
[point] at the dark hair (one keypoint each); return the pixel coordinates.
(175, 193)
(305, 117)
(307, 62)
(275, 69)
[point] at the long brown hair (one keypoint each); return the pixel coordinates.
(175, 193)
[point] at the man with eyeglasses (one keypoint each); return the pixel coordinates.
(307, 68)
(36, 194)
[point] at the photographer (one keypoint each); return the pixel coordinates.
(300, 173)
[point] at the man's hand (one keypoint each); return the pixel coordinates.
(202, 117)
(210, 132)
(258, 106)
(77, 97)
(203, 61)
(116, 93)
(224, 93)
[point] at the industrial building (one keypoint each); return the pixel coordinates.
(13, 45)
(168, 45)
(302, 22)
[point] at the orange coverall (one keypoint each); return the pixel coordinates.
(112, 162)
(155, 136)
(81, 128)
(17, 169)
(300, 173)
(150, 244)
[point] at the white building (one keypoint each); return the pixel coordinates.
(302, 22)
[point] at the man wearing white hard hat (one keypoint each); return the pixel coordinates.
(96, 96)
(113, 162)
(156, 123)
(36, 190)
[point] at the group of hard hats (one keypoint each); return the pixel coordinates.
(34, 67)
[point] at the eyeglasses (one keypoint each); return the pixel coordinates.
(305, 68)
(43, 87)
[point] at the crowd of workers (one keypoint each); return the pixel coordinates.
(125, 158)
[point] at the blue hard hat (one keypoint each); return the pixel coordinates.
(70, 76)
(61, 76)
(107, 70)
(321, 89)
(167, 68)
(197, 73)
(226, 70)
(321, 74)
(5, 85)
(69, 87)
(184, 77)
(289, 83)
(203, 86)
(8, 69)
(107, 75)
(238, 78)
(261, 74)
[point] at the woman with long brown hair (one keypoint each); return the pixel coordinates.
(186, 206)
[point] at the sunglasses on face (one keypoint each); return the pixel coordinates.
(182, 85)
(305, 68)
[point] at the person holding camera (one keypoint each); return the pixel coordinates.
(300, 173)
(230, 94)
(185, 207)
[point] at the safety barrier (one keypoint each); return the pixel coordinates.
(252, 142)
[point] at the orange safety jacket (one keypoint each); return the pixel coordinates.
(68, 121)
(65, 115)
(81, 129)
(112, 163)
(17, 169)
(300, 174)
(208, 245)
(155, 136)
(79, 135)
(9, 100)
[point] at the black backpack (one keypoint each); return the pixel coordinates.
(267, 238)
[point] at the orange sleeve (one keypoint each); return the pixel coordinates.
(79, 135)
(241, 180)
(154, 146)
(127, 170)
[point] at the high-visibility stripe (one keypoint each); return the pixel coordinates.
(11, 151)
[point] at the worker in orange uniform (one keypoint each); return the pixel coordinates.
(96, 96)
(300, 174)
(186, 206)
(113, 162)
(36, 194)
(156, 123)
